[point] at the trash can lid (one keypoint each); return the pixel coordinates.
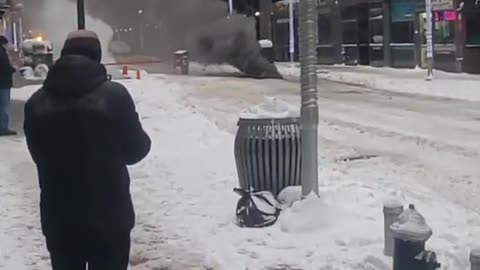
(265, 43)
(411, 226)
(181, 52)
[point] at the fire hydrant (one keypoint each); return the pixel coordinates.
(410, 234)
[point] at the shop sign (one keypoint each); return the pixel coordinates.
(442, 4)
(447, 15)
(403, 10)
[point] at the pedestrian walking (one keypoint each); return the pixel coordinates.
(6, 82)
(82, 132)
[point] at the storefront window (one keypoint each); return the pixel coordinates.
(403, 14)
(350, 32)
(350, 25)
(472, 22)
(403, 32)
(376, 25)
(444, 31)
(324, 30)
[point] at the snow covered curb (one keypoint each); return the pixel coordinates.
(445, 85)
(443, 88)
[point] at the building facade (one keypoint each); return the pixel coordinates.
(392, 33)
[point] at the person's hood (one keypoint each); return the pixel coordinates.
(74, 76)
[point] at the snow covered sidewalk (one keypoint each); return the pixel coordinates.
(185, 203)
(409, 81)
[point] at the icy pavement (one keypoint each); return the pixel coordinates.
(183, 191)
(411, 81)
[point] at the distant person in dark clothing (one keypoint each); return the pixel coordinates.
(6, 72)
(82, 131)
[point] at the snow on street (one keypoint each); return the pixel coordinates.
(421, 150)
(412, 81)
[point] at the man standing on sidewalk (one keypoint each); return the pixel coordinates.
(82, 131)
(6, 82)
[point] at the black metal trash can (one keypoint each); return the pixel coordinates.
(181, 61)
(268, 154)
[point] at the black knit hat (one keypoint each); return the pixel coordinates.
(83, 42)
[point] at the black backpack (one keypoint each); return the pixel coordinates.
(256, 209)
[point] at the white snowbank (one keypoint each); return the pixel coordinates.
(308, 216)
(411, 226)
(290, 195)
(271, 108)
(445, 85)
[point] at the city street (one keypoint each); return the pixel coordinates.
(373, 145)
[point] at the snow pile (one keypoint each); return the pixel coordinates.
(41, 71)
(271, 108)
(28, 44)
(289, 195)
(309, 215)
(265, 43)
(411, 226)
(444, 85)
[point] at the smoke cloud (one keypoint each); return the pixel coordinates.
(200, 26)
(56, 18)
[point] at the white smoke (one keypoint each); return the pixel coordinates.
(57, 18)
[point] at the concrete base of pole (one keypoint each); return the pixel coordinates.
(429, 76)
(475, 259)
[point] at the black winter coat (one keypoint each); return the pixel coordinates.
(82, 131)
(6, 70)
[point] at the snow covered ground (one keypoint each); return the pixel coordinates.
(422, 151)
(412, 81)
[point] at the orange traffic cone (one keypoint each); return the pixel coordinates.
(125, 71)
(139, 75)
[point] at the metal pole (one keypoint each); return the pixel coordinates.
(292, 34)
(309, 110)
(15, 35)
(429, 26)
(230, 7)
(81, 14)
(20, 30)
(141, 29)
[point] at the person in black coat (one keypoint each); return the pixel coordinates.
(6, 82)
(82, 131)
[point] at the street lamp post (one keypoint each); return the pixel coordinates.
(309, 93)
(292, 33)
(81, 14)
(141, 30)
